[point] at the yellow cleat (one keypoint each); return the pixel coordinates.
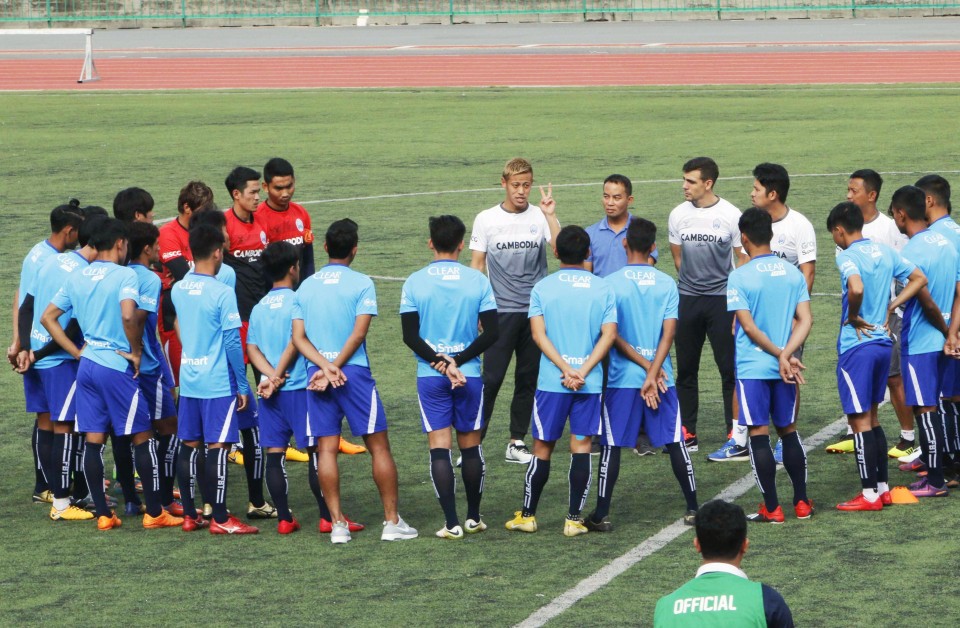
(521, 523)
(236, 456)
(574, 527)
(70, 513)
(163, 520)
(43, 497)
(348, 448)
(843, 446)
(108, 523)
(295, 455)
(903, 448)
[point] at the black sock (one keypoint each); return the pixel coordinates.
(444, 484)
(865, 445)
(166, 457)
(606, 479)
(683, 471)
(764, 470)
(145, 457)
(61, 462)
(40, 480)
(200, 473)
(473, 470)
(314, 481)
(277, 484)
(951, 431)
(80, 488)
(931, 437)
(93, 469)
(580, 473)
(186, 477)
(883, 473)
(44, 452)
(123, 458)
(217, 480)
(538, 472)
(795, 462)
(253, 465)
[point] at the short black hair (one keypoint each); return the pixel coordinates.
(936, 186)
(641, 235)
(131, 201)
(140, 235)
(446, 233)
(911, 200)
(69, 215)
(721, 530)
(212, 217)
(621, 180)
(757, 225)
(205, 240)
(341, 238)
(277, 167)
(872, 181)
(278, 258)
(109, 230)
(238, 178)
(572, 244)
(708, 168)
(773, 178)
(92, 217)
(847, 215)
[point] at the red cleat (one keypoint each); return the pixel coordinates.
(860, 503)
(804, 509)
(326, 527)
(232, 526)
(288, 527)
(765, 516)
(190, 524)
(916, 465)
(175, 508)
(886, 498)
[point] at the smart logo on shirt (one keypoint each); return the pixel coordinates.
(204, 361)
(574, 361)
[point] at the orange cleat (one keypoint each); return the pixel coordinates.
(348, 448)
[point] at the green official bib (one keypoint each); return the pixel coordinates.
(714, 599)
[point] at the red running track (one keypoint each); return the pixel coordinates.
(483, 70)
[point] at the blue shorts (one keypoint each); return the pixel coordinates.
(442, 407)
(357, 400)
(36, 401)
(949, 383)
(250, 416)
(922, 374)
(109, 401)
(862, 376)
(284, 415)
(158, 398)
(551, 409)
(625, 412)
(59, 390)
(208, 420)
(764, 399)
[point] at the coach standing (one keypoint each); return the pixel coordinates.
(704, 238)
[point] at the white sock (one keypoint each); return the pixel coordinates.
(883, 487)
(61, 503)
(740, 435)
(907, 434)
(871, 494)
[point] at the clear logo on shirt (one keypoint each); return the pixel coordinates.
(642, 277)
(577, 280)
(776, 269)
(445, 272)
(328, 276)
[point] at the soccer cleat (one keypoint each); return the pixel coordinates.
(901, 449)
(261, 512)
(70, 513)
(295, 455)
(765, 516)
(729, 451)
(521, 523)
(778, 452)
(690, 441)
(596, 447)
(190, 523)
(644, 447)
(163, 520)
(348, 448)
(860, 503)
(804, 509)
(455, 533)
(87, 503)
(175, 508)
(340, 532)
(108, 523)
(916, 466)
(518, 453)
(914, 455)
(474, 527)
(690, 518)
(235, 456)
(886, 498)
(924, 488)
(399, 531)
(842, 446)
(603, 525)
(132, 509)
(288, 527)
(232, 526)
(573, 526)
(43, 497)
(207, 510)
(326, 527)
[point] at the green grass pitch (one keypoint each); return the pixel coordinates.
(837, 569)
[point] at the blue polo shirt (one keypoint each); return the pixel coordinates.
(606, 247)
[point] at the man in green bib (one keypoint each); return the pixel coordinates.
(721, 594)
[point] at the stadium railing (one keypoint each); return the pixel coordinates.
(211, 12)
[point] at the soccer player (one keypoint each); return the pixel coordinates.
(440, 309)
(867, 269)
(65, 223)
(772, 306)
(640, 392)
(721, 594)
(795, 241)
(331, 316)
(704, 239)
(863, 189)
(213, 383)
(103, 297)
(573, 319)
(133, 205)
(924, 330)
(508, 241)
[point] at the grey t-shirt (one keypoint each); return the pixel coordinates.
(708, 238)
(515, 245)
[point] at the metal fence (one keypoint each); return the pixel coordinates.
(57, 12)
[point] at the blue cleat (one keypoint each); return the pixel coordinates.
(728, 452)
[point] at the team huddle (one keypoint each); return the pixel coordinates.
(142, 335)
